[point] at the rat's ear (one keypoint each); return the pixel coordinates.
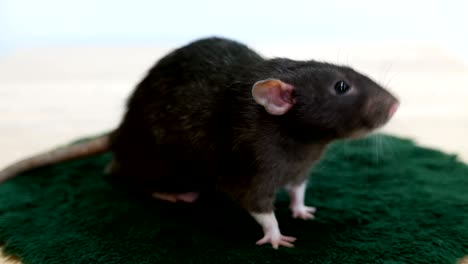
(274, 95)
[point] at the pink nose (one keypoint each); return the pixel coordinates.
(393, 109)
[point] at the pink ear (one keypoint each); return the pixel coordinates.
(274, 95)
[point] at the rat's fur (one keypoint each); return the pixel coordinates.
(198, 122)
(192, 124)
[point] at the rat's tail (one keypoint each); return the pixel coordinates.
(75, 151)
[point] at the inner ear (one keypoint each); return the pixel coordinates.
(274, 95)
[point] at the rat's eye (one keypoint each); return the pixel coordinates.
(341, 87)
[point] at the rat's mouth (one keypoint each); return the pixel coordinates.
(369, 127)
(379, 116)
(392, 109)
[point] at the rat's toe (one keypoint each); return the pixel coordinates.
(303, 212)
(277, 240)
(165, 197)
(189, 197)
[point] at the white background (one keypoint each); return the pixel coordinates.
(67, 66)
(74, 22)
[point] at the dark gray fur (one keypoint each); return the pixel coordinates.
(192, 125)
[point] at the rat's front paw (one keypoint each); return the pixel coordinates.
(303, 212)
(276, 240)
(189, 197)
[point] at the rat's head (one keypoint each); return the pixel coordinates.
(325, 100)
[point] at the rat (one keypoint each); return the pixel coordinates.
(214, 115)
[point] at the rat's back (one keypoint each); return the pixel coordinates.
(181, 112)
(193, 80)
(214, 61)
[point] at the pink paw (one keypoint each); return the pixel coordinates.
(276, 240)
(303, 212)
(189, 197)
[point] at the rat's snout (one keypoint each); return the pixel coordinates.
(380, 110)
(393, 108)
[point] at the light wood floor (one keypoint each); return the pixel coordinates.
(53, 96)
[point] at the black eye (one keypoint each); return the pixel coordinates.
(341, 87)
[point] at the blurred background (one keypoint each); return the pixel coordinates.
(67, 67)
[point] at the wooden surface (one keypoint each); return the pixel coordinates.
(53, 96)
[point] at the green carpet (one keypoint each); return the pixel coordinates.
(380, 200)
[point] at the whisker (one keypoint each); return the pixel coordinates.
(390, 148)
(347, 59)
(338, 56)
(376, 149)
(387, 71)
(381, 147)
(391, 79)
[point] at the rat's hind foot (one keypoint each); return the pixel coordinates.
(165, 197)
(189, 197)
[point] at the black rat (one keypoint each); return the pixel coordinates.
(216, 116)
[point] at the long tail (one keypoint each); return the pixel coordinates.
(75, 151)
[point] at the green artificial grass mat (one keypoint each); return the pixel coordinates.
(380, 200)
